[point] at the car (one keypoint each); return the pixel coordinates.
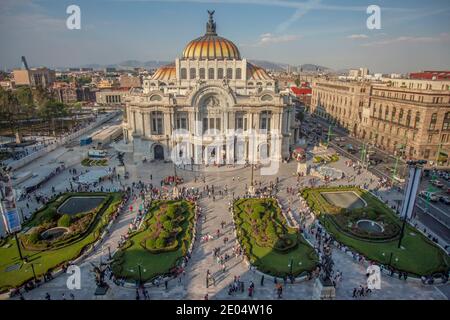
(374, 161)
(428, 195)
(445, 200)
(437, 183)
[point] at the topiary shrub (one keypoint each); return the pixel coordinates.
(34, 237)
(64, 221)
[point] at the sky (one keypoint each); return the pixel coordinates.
(414, 34)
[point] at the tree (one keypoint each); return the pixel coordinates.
(9, 109)
(297, 82)
(25, 99)
(52, 110)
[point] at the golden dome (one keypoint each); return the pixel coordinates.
(256, 73)
(211, 46)
(165, 73)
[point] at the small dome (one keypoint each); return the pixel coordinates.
(211, 46)
(256, 73)
(165, 73)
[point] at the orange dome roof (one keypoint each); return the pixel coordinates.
(211, 46)
(165, 73)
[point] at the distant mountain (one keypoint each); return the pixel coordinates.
(275, 66)
(129, 64)
(313, 67)
(270, 65)
(153, 64)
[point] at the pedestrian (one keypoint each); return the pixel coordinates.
(262, 281)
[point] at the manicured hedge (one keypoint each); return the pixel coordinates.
(272, 258)
(418, 255)
(156, 260)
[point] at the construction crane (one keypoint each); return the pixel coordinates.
(24, 63)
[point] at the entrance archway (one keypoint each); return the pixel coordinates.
(159, 152)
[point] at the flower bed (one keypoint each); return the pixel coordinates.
(418, 255)
(162, 241)
(269, 243)
(50, 254)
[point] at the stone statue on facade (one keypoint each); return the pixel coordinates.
(211, 25)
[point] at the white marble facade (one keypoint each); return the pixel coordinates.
(210, 106)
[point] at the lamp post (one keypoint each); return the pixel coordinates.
(18, 246)
(410, 193)
(140, 270)
(291, 264)
(251, 188)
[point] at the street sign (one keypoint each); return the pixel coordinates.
(12, 221)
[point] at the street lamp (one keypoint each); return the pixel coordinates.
(140, 270)
(32, 268)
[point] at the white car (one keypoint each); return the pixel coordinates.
(429, 195)
(437, 183)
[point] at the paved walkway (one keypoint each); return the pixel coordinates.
(193, 285)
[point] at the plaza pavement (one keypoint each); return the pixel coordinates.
(193, 284)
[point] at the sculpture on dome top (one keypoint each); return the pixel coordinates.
(211, 25)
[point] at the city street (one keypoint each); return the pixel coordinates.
(433, 215)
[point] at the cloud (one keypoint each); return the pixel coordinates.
(443, 37)
(269, 38)
(299, 13)
(358, 36)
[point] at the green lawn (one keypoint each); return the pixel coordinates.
(153, 264)
(50, 259)
(420, 256)
(265, 257)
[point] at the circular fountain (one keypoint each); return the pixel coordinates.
(54, 233)
(370, 226)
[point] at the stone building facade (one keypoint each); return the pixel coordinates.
(210, 107)
(405, 117)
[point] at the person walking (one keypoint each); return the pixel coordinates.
(262, 281)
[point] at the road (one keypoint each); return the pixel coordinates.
(434, 215)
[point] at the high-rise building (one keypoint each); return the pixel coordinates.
(43, 77)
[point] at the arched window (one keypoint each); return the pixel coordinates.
(446, 124)
(210, 73)
(394, 111)
(433, 122)
(202, 73)
(220, 73)
(183, 73)
(380, 112)
(238, 73)
(229, 73)
(192, 73)
(386, 113)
